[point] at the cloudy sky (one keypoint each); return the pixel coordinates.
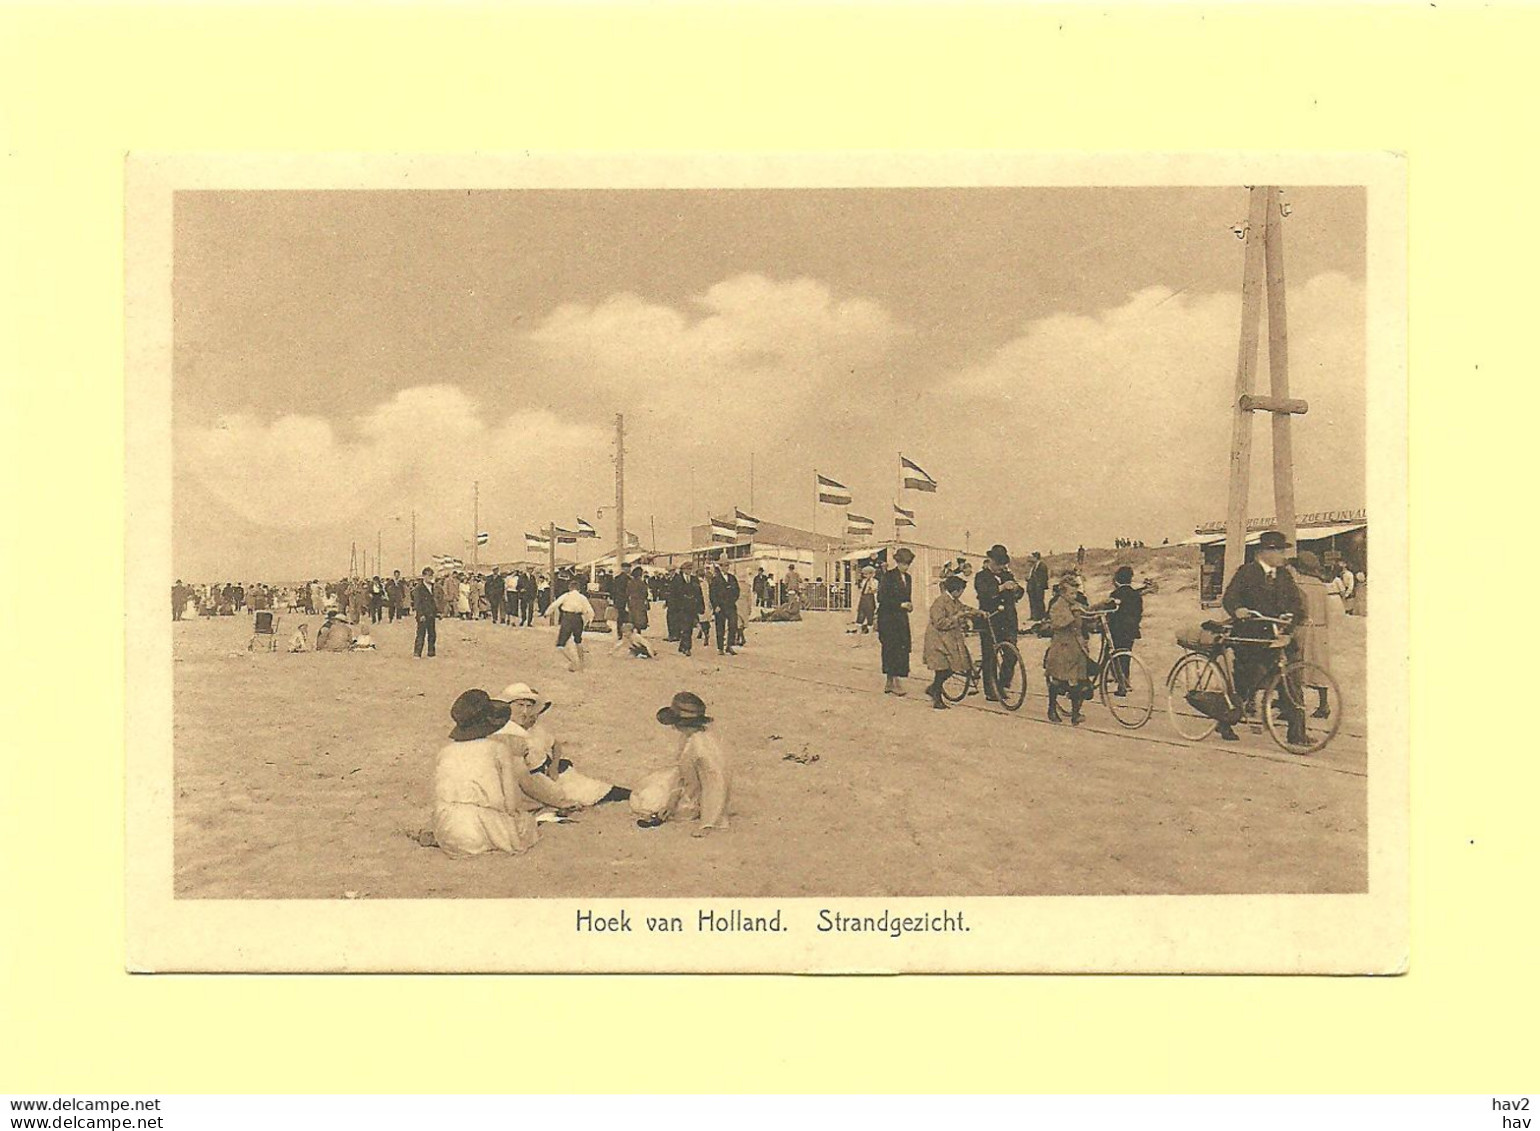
(1061, 360)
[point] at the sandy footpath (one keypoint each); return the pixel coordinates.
(296, 776)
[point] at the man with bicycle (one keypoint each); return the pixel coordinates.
(1261, 587)
(998, 593)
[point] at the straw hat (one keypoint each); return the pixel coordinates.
(524, 693)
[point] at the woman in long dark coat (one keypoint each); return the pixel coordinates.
(895, 599)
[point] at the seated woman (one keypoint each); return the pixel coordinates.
(698, 785)
(336, 635)
(479, 802)
(553, 782)
(1067, 663)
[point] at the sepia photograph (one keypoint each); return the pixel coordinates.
(798, 558)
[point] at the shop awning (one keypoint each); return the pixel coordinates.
(1306, 534)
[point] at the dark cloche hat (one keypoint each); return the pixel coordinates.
(477, 714)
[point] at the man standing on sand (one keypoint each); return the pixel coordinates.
(496, 592)
(684, 605)
(724, 607)
(425, 605)
(397, 592)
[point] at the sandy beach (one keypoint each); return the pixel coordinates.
(297, 776)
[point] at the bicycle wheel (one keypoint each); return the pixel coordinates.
(958, 684)
(1308, 692)
(1136, 704)
(1013, 690)
(1193, 672)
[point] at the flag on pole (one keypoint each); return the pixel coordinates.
(586, 530)
(745, 523)
(901, 517)
(859, 524)
(482, 537)
(537, 543)
(564, 535)
(632, 540)
(833, 493)
(723, 531)
(915, 477)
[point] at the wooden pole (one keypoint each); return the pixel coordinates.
(1278, 369)
(551, 546)
(653, 519)
(620, 493)
(1245, 374)
(476, 522)
(414, 543)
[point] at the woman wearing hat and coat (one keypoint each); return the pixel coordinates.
(895, 600)
(479, 800)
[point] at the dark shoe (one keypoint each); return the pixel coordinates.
(1227, 733)
(1320, 713)
(649, 822)
(732, 652)
(1122, 693)
(1053, 713)
(939, 703)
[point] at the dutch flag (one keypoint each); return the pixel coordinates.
(915, 477)
(833, 493)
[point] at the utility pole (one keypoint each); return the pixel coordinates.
(550, 531)
(653, 519)
(379, 541)
(620, 493)
(1263, 270)
(476, 522)
(751, 482)
(414, 543)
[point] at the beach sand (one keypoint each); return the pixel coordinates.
(297, 776)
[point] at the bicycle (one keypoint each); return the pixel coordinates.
(1123, 683)
(1205, 669)
(959, 685)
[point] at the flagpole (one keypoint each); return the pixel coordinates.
(815, 500)
(551, 530)
(476, 522)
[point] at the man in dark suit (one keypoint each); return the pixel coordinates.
(1037, 586)
(998, 593)
(1261, 586)
(425, 606)
(684, 605)
(724, 608)
(496, 590)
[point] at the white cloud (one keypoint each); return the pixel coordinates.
(421, 449)
(747, 332)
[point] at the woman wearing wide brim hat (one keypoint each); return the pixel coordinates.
(476, 796)
(698, 786)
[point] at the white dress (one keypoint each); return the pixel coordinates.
(476, 801)
(580, 789)
(697, 787)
